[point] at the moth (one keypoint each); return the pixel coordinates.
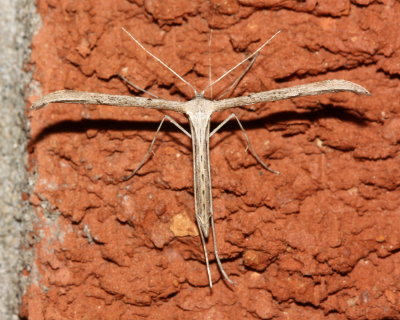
(198, 111)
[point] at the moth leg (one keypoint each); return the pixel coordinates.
(203, 242)
(233, 86)
(221, 268)
(150, 150)
(137, 87)
(249, 146)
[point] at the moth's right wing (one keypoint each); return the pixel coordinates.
(310, 89)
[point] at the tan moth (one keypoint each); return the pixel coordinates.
(198, 111)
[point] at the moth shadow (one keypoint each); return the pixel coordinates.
(82, 126)
(282, 117)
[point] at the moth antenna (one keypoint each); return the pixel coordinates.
(160, 61)
(240, 63)
(209, 56)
